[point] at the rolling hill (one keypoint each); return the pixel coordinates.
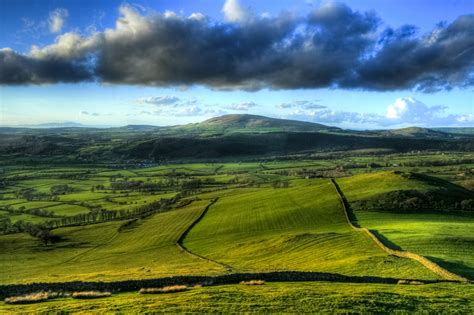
(255, 123)
(302, 228)
(416, 213)
(229, 137)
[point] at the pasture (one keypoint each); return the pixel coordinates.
(122, 222)
(292, 297)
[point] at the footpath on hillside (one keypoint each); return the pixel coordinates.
(444, 273)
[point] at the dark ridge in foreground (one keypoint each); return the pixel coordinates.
(135, 285)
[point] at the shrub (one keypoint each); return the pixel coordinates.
(26, 299)
(90, 295)
(412, 282)
(253, 282)
(168, 289)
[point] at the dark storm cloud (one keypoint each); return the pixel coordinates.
(443, 59)
(18, 69)
(333, 46)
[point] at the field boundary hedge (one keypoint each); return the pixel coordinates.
(180, 242)
(234, 278)
(444, 273)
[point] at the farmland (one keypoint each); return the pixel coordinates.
(122, 221)
(276, 297)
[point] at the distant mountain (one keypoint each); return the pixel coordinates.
(457, 130)
(229, 136)
(67, 124)
(415, 132)
(141, 127)
(254, 123)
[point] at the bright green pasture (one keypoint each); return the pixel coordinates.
(68, 209)
(100, 252)
(27, 205)
(363, 186)
(298, 228)
(291, 297)
(446, 238)
(27, 218)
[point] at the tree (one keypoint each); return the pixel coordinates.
(40, 232)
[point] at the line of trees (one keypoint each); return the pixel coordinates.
(95, 216)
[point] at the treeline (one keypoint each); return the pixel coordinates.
(95, 216)
(102, 215)
(40, 231)
(32, 194)
(407, 200)
(437, 162)
(35, 212)
(148, 186)
(338, 171)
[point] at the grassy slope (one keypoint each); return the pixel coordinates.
(302, 297)
(446, 238)
(297, 228)
(100, 252)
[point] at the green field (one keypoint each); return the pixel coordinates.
(101, 252)
(445, 237)
(292, 297)
(267, 216)
(299, 228)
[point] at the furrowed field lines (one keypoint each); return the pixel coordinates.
(298, 228)
(99, 252)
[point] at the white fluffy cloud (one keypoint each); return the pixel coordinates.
(244, 106)
(56, 20)
(234, 12)
(403, 112)
(173, 106)
(409, 109)
(301, 105)
(160, 100)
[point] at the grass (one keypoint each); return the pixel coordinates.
(99, 252)
(445, 237)
(167, 289)
(251, 228)
(364, 186)
(253, 282)
(298, 228)
(296, 297)
(90, 295)
(67, 209)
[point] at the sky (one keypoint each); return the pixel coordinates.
(358, 64)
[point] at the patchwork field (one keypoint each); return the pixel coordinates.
(146, 249)
(105, 224)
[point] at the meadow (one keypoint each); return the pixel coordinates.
(293, 297)
(114, 222)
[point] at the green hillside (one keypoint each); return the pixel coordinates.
(299, 228)
(146, 249)
(442, 234)
(254, 123)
